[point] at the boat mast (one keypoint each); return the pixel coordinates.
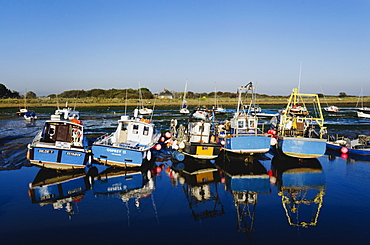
(215, 96)
(126, 103)
(360, 101)
(184, 96)
(300, 76)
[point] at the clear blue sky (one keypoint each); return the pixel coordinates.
(52, 46)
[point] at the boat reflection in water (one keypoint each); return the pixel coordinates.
(124, 183)
(61, 189)
(199, 180)
(301, 184)
(245, 178)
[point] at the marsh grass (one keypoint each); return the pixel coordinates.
(269, 101)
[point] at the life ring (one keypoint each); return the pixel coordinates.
(76, 135)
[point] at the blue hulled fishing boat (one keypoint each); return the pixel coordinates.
(130, 145)
(242, 134)
(61, 145)
(296, 134)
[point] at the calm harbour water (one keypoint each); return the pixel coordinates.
(159, 205)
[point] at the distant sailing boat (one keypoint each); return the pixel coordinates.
(362, 111)
(331, 108)
(143, 110)
(218, 109)
(184, 107)
(24, 110)
(28, 115)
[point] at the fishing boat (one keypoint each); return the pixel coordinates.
(242, 133)
(296, 134)
(60, 145)
(67, 112)
(359, 146)
(130, 145)
(184, 107)
(301, 185)
(196, 139)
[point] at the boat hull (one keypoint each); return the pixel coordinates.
(59, 159)
(363, 114)
(360, 152)
(202, 150)
(248, 144)
(119, 157)
(301, 147)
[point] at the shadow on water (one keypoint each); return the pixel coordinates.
(301, 185)
(63, 190)
(245, 178)
(199, 181)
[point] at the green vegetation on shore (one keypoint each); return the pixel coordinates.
(117, 97)
(91, 102)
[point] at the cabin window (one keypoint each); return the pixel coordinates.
(51, 130)
(240, 124)
(135, 129)
(124, 126)
(146, 131)
(251, 123)
(63, 133)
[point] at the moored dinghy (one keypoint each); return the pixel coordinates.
(296, 134)
(359, 146)
(61, 145)
(130, 145)
(241, 133)
(30, 116)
